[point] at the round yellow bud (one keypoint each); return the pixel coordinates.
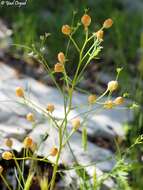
(66, 29)
(100, 34)
(19, 92)
(76, 123)
(112, 86)
(30, 117)
(50, 108)
(54, 151)
(1, 169)
(119, 100)
(28, 142)
(91, 99)
(8, 142)
(108, 104)
(7, 155)
(86, 20)
(61, 57)
(108, 23)
(59, 68)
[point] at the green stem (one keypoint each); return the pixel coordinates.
(76, 74)
(72, 132)
(57, 160)
(76, 46)
(19, 171)
(5, 182)
(33, 158)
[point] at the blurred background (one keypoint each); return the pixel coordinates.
(123, 47)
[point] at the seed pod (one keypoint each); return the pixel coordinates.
(119, 100)
(108, 23)
(19, 92)
(8, 142)
(50, 108)
(76, 123)
(1, 169)
(28, 142)
(7, 155)
(112, 86)
(91, 99)
(86, 20)
(59, 68)
(54, 151)
(108, 104)
(30, 117)
(61, 57)
(100, 34)
(66, 29)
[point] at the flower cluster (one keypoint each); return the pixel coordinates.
(86, 53)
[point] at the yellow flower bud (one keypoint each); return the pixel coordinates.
(66, 29)
(108, 23)
(86, 20)
(50, 107)
(61, 57)
(7, 155)
(100, 34)
(112, 86)
(19, 92)
(108, 104)
(1, 169)
(30, 117)
(28, 142)
(76, 123)
(54, 151)
(119, 100)
(8, 142)
(59, 68)
(91, 99)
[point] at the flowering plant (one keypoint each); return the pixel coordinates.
(30, 148)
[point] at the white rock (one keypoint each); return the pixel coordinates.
(6, 72)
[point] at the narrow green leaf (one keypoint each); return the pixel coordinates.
(44, 184)
(94, 179)
(84, 138)
(28, 182)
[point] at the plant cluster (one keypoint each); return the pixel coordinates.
(89, 50)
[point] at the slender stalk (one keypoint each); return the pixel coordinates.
(42, 109)
(73, 41)
(36, 159)
(71, 133)
(19, 171)
(57, 160)
(5, 182)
